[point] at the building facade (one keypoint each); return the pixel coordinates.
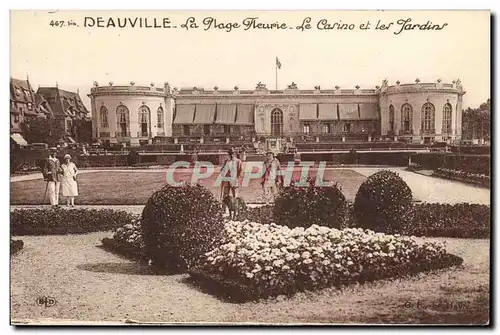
(418, 112)
(25, 105)
(69, 114)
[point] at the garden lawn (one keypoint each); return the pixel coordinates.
(135, 187)
(90, 284)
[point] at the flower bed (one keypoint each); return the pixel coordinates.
(15, 246)
(58, 221)
(260, 260)
(473, 178)
(127, 241)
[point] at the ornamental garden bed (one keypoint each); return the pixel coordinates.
(236, 292)
(125, 250)
(294, 260)
(261, 261)
(466, 177)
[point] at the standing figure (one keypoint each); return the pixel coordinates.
(68, 183)
(233, 170)
(296, 156)
(271, 178)
(52, 174)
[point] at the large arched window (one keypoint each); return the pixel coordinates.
(122, 120)
(391, 118)
(104, 117)
(406, 118)
(144, 116)
(276, 122)
(159, 113)
(446, 119)
(428, 118)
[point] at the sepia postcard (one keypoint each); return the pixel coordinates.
(250, 167)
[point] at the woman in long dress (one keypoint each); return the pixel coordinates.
(68, 183)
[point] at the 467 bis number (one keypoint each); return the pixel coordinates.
(62, 23)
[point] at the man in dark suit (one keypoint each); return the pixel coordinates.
(52, 175)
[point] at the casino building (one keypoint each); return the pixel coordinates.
(416, 113)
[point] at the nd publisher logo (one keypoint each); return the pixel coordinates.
(45, 301)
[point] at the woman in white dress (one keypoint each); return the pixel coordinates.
(68, 183)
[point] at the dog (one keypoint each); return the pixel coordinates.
(234, 205)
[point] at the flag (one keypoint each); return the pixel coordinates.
(278, 63)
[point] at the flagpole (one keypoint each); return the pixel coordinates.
(276, 67)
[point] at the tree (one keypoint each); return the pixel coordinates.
(36, 130)
(82, 129)
(476, 123)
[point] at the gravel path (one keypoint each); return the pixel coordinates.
(90, 284)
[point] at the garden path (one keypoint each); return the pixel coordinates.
(90, 284)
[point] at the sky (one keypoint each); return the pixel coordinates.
(74, 56)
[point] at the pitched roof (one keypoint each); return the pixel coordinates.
(20, 90)
(69, 104)
(42, 105)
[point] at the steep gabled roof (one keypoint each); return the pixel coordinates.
(20, 90)
(42, 105)
(69, 103)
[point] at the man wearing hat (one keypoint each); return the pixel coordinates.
(52, 175)
(233, 170)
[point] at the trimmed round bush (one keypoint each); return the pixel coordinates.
(299, 206)
(384, 203)
(179, 225)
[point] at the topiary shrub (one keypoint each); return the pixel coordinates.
(383, 202)
(297, 206)
(179, 225)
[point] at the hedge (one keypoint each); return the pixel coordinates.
(58, 221)
(473, 149)
(446, 220)
(466, 177)
(477, 164)
(430, 219)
